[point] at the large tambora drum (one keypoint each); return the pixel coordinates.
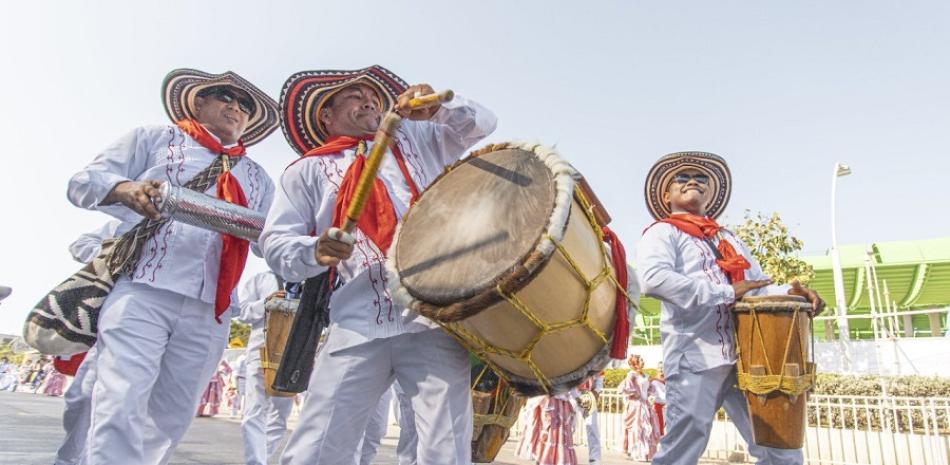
(504, 252)
(279, 317)
(775, 368)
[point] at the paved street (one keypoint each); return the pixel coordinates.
(31, 430)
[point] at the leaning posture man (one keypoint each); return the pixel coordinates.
(330, 117)
(265, 417)
(698, 270)
(164, 326)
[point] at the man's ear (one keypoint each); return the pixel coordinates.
(324, 115)
(199, 102)
(666, 197)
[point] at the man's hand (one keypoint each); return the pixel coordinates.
(418, 90)
(743, 287)
(817, 304)
(277, 295)
(334, 246)
(140, 196)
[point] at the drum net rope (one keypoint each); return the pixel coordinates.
(788, 384)
(500, 398)
(482, 349)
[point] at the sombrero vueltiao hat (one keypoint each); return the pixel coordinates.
(306, 92)
(182, 85)
(660, 176)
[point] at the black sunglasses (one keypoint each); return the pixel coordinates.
(684, 178)
(225, 95)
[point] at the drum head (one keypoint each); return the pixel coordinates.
(473, 225)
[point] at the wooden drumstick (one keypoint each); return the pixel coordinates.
(380, 143)
(425, 101)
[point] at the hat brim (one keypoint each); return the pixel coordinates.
(181, 86)
(305, 93)
(662, 172)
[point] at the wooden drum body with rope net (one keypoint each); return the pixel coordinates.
(504, 253)
(278, 319)
(775, 369)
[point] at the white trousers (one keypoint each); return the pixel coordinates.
(157, 351)
(692, 400)
(375, 430)
(431, 368)
(593, 436)
(76, 412)
(265, 418)
(408, 437)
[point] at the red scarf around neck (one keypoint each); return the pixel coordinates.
(378, 221)
(732, 263)
(233, 250)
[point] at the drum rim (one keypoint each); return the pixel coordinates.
(772, 304)
(518, 276)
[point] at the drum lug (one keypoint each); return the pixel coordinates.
(792, 369)
(759, 370)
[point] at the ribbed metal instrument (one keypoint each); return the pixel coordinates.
(204, 211)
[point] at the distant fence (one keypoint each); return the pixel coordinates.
(842, 430)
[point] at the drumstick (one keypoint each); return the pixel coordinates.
(424, 101)
(380, 143)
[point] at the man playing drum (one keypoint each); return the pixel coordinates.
(265, 417)
(330, 118)
(163, 328)
(699, 270)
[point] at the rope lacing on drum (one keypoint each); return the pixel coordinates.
(483, 351)
(771, 382)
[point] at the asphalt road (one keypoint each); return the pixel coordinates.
(31, 430)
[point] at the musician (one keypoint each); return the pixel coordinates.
(593, 385)
(164, 326)
(330, 117)
(698, 270)
(265, 417)
(77, 407)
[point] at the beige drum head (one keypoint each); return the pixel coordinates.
(473, 226)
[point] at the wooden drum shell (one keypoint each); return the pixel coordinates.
(778, 420)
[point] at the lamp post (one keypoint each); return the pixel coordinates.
(840, 302)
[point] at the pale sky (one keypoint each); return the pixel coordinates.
(781, 89)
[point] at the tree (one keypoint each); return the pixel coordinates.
(770, 243)
(239, 334)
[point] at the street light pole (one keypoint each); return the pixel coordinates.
(841, 305)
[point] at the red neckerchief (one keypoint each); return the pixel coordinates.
(233, 250)
(732, 263)
(378, 221)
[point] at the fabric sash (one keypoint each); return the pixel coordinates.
(378, 221)
(234, 250)
(730, 262)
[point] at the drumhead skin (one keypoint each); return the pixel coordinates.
(477, 223)
(772, 303)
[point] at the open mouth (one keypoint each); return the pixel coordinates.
(231, 118)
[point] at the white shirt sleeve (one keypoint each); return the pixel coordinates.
(286, 241)
(124, 160)
(252, 298)
(88, 245)
(457, 126)
(656, 259)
